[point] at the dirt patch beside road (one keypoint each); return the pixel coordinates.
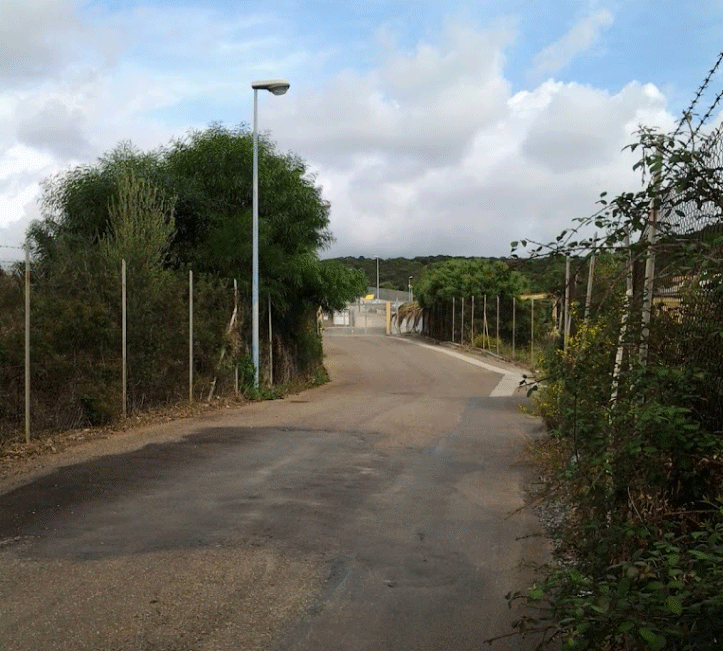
(20, 462)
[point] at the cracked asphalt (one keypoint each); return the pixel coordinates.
(373, 513)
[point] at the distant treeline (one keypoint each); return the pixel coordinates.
(544, 274)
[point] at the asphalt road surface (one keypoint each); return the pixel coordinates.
(369, 514)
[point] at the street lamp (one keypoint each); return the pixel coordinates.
(277, 87)
(410, 289)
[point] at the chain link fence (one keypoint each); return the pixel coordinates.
(517, 327)
(87, 356)
(688, 284)
(364, 317)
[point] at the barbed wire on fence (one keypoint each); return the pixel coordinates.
(688, 113)
(7, 263)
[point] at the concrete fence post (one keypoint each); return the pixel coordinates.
(590, 277)
(514, 323)
(124, 337)
(532, 333)
(235, 304)
(453, 311)
(566, 319)
(271, 348)
(461, 331)
(190, 336)
(473, 319)
(498, 325)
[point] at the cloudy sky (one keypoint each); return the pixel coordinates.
(434, 126)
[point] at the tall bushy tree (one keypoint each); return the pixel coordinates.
(208, 177)
(76, 202)
(211, 173)
(140, 227)
(140, 223)
(465, 278)
(187, 205)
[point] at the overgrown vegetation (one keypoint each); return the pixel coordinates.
(635, 409)
(186, 207)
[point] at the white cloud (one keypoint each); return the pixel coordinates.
(422, 105)
(583, 35)
(418, 162)
(582, 127)
(428, 151)
(36, 37)
(54, 128)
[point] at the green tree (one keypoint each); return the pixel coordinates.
(76, 203)
(338, 285)
(140, 223)
(465, 278)
(207, 178)
(184, 206)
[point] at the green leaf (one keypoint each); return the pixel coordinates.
(535, 594)
(674, 605)
(655, 642)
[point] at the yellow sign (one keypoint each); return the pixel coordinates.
(369, 297)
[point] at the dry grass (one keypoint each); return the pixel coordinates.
(547, 455)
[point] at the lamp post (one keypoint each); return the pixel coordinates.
(277, 87)
(410, 289)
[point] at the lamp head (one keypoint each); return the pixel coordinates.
(275, 86)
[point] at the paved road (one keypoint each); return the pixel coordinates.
(368, 514)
